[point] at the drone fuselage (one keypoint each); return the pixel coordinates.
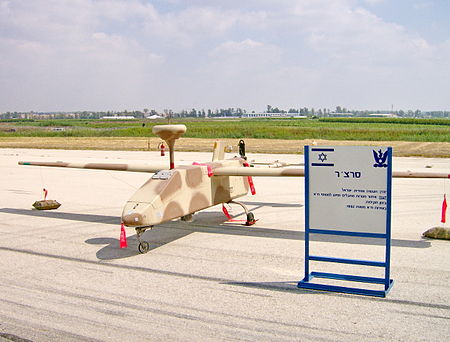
(184, 190)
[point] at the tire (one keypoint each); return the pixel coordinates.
(143, 247)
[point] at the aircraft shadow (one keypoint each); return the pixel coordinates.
(157, 237)
(64, 216)
(236, 229)
(205, 222)
(291, 286)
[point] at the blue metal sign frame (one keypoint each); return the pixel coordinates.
(309, 276)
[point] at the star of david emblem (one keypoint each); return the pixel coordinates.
(322, 157)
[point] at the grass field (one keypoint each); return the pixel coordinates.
(409, 137)
(370, 129)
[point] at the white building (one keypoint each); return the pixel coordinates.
(383, 115)
(266, 115)
(118, 117)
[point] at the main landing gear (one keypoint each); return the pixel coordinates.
(250, 217)
(143, 246)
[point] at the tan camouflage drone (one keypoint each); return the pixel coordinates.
(179, 192)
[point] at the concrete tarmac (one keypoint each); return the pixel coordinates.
(64, 277)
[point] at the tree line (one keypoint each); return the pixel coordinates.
(222, 112)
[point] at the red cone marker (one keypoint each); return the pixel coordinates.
(444, 209)
(123, 237)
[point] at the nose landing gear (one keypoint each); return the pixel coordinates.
(143, 246)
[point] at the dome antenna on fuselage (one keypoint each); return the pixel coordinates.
(169, 133)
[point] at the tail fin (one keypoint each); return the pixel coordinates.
(219, 150)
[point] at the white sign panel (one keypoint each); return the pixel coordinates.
(348, 188)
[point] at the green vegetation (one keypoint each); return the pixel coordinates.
(401, 121)
(372, 129)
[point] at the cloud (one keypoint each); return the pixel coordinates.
(56, 57)
(236, 72)
(374, 2)
(246, 49)
(117, 54)
(422, 5)
(191, 26)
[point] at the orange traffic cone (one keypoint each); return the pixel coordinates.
(123, 237)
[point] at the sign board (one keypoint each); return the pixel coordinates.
(348, 193)
(350, 186)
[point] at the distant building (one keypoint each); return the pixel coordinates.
(264, 115)
(383, 115)
(154, 117)
(340, 115)
(118, 117)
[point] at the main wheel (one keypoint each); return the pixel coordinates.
(187, 218)
(143, 247)
(250, 219)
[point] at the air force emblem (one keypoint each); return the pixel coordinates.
(380, 158)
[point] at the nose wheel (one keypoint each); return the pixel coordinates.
(143, 246)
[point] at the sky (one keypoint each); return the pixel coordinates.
(100, 55)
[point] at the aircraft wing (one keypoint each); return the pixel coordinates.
(131, 167)
(223, 171)
(419, 174)
(300, 172)
(260, 171)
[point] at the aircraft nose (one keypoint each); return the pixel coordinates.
(133, 219)
(134, 214)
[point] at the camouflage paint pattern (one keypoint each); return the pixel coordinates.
(187, 190)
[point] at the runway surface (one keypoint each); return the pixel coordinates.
(64, 277)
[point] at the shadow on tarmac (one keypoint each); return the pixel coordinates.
(204, 222)
(156, 238)
(63, 216)
(291, 286)
(288, 286)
